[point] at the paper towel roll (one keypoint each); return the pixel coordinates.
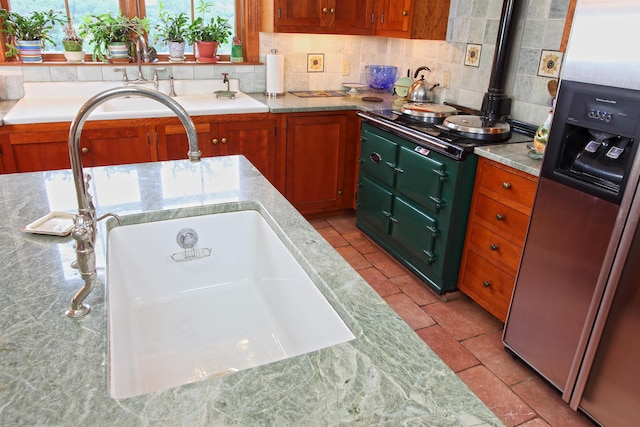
(275, 74)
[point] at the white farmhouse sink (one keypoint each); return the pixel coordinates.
(247, 304)
(45, 102)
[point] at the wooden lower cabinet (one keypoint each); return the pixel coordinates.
(498, 221)
(41, 147)
(321, 160)
(252, 135)
(309, 157)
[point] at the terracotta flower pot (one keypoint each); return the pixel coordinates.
(206, 51)
(30, 50)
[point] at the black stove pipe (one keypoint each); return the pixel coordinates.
(496, 105)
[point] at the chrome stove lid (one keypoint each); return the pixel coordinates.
(428, 110)
(477, 127)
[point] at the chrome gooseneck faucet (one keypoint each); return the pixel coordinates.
(85, 221)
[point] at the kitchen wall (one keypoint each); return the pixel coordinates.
(470, 21)
(540, 27)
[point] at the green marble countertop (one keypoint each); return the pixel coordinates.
(53, 370)
(513, 155)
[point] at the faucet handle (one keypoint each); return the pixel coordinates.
(123, 71)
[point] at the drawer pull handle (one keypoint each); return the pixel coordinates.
(506, 185)
(486, 283)
(500, 217)
(493, 247)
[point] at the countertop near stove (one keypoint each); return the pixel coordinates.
(513, 155)
(53, 369)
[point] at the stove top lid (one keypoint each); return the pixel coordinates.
(476, 126)
(428, 110)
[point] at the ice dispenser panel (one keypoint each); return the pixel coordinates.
(593, 139)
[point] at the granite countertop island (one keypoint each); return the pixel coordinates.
(53, 369)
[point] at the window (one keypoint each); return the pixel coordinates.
(245, 25)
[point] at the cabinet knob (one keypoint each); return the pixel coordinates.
(500, 217)
(85, 150)
(325, 9)
(486, 283)
(405, 13)
(339, 192)
(214, 141)
(493, 247)
(224, 140)
(506, 185)
(333, 10)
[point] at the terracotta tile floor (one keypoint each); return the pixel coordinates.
(463, 334)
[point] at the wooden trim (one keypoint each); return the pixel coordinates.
(567, 25)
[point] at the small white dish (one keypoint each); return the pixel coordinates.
(353, 87)
(53, 223)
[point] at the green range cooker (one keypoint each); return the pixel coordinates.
(414, 191)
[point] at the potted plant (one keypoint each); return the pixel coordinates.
(112, 34)
(27, 34)
(72, 44)
(207, 35)
(173, 30)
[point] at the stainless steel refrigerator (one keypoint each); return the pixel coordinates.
(575, 311)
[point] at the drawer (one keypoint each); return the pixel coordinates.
(495, 248)
(487, 285)
(507, 184)
(502, 218)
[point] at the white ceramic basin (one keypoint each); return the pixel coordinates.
(45, 102)
(247, 304)
(137, 107)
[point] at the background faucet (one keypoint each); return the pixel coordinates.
(141, 52)
(85, 221)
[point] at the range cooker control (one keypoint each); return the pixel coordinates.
(600, 115)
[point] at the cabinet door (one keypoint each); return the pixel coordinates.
(316, 149)
(173, 143)
(374, 206)
(378, 156)
(421, 178)
(393, 15)
(117, 145)
(351, 17)
(418, 232)
(301, 13)
(40, 151)
(255, 140)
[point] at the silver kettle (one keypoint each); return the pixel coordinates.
(419, 91)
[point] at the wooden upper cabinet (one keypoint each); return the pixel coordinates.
(412, 19)
(323, 16)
